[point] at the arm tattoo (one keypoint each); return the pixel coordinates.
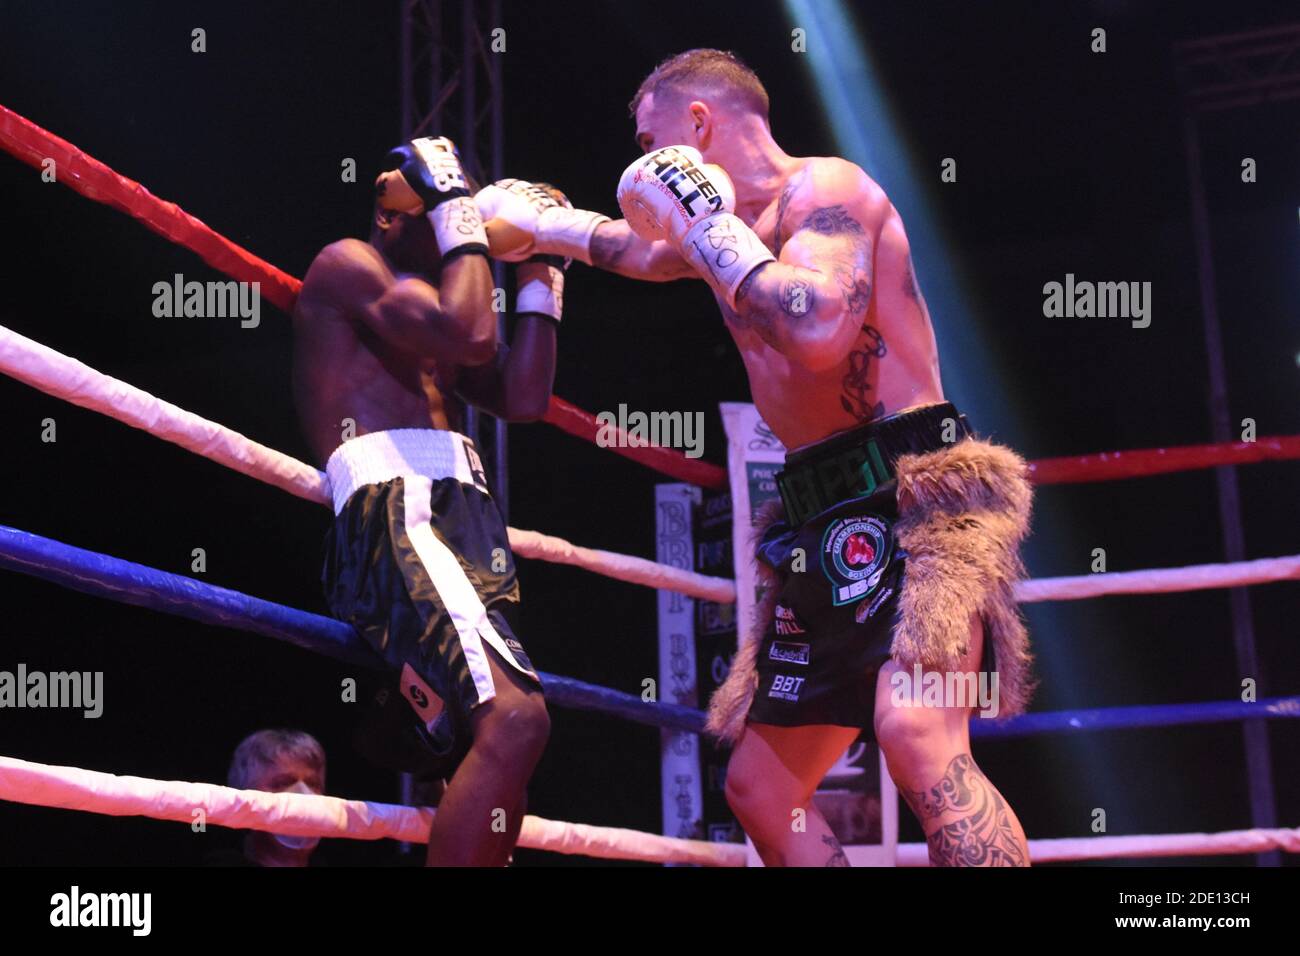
(910, 286)
(983, 833)
(851, 267)
(857, 378)
(781, 207)
(743, 291)
(833, 221)
(608, 251)
(837, 857)
(846, 258)
(857, 290)
(797, 297)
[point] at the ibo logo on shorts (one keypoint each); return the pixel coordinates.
(786, 687)
(855, 552)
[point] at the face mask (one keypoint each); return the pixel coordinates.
(296, 843)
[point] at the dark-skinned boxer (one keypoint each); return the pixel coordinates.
(393, 336)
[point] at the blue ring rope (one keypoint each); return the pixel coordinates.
(1119, 718)
(103, 576)
(138, 584)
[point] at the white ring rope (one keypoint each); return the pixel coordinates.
(57, 374)
(1138, 846)
(64, 377)
(624, 567)
(298, 814)
(1196, 577)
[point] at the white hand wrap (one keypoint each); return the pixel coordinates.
(724, 251)
(542, 296)
(457, 223)
(567, 232)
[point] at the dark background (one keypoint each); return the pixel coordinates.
(1069, 162)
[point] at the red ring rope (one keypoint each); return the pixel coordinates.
(85, 174)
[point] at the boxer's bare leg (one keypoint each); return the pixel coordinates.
(770, 783)
(478, 819)
(966, 821)
(515, 825)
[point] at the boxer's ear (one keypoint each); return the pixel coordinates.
(702, 123)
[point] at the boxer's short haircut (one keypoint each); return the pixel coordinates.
(705, 69)
(265, 747)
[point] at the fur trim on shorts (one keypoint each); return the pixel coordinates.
(963, 512)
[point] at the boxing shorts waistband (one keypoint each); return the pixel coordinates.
(856, 462)
(402, 452)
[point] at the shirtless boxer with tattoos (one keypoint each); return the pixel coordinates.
(898, 538)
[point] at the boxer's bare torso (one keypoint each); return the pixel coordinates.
(822, 214)
(893, 363)
(346, 378)
(377, 347)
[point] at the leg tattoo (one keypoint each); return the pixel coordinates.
(983, 835)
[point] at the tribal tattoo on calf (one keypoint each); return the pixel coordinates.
(983, 835)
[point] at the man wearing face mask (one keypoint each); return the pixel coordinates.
(276, 761)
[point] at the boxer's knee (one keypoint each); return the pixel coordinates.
(915, 741)
(742, 794)
(513, 731)
(766, 811)
(756, 807)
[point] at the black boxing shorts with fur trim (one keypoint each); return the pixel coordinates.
(839, 573)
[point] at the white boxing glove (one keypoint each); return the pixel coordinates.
(543, 221)
(673, 194)
(664, 193)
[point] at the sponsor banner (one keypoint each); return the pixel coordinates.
(754, 456)
(715, 643)
(679, 751)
